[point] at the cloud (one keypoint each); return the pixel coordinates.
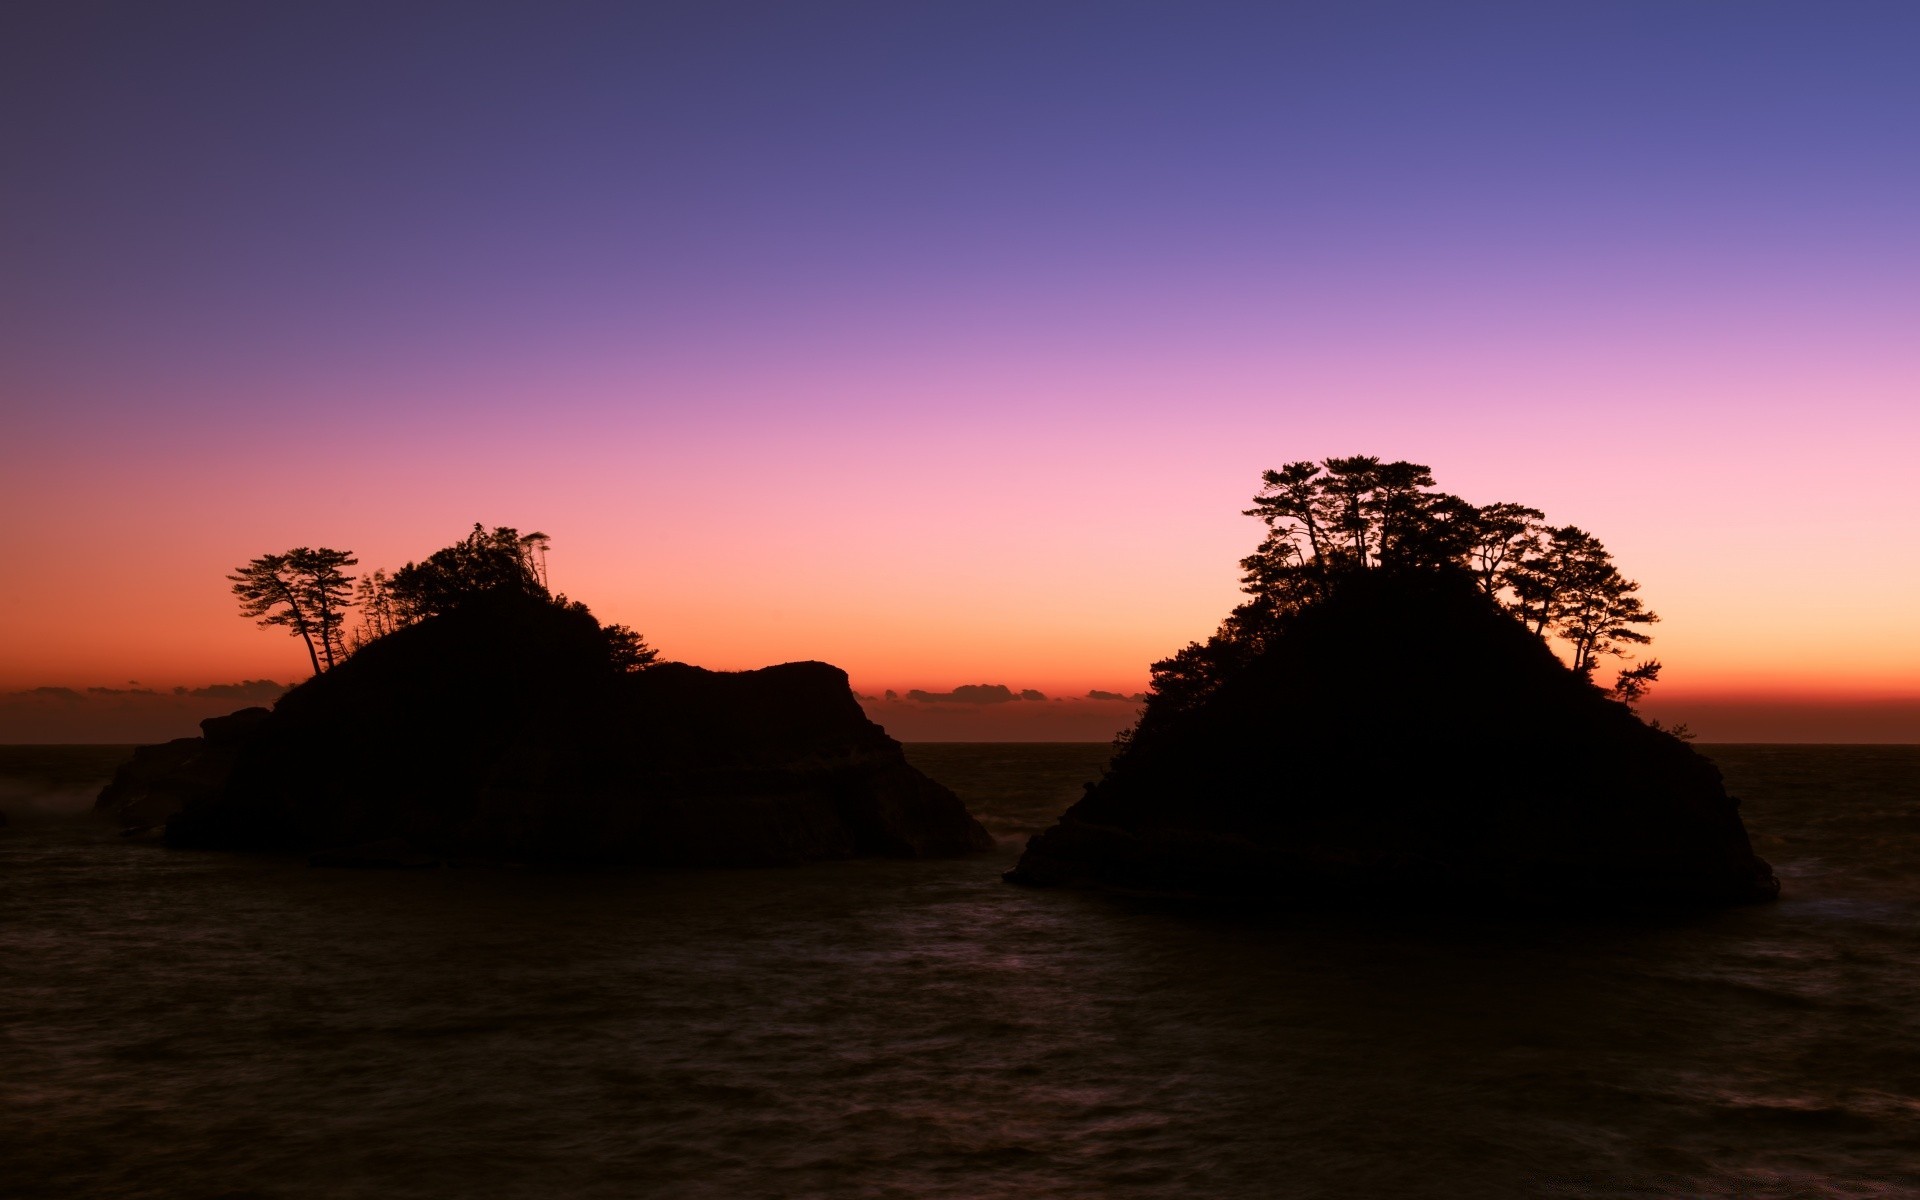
(122, 715)
(1723, 718)
(966, 693)
(991, 712)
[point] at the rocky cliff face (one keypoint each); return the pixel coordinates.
(503, 735)
(159, 780)
(1406, 738)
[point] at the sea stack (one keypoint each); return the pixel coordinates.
(1404, 738)
(501, 732)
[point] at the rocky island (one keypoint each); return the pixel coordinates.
(499, 723)
(1385, 719)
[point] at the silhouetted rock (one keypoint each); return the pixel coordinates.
(1406, 738)
(150, 788)
(501, 732)
(234, 728)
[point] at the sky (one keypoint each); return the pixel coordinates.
(946, 342)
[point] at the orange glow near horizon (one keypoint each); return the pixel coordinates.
(1062, 597)
(947, 383)
(932, 550)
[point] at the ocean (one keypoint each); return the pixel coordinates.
(213, 1025)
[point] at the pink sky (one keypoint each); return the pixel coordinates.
(950, 352)
(1061, 539)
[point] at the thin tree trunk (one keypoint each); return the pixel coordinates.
(299, 622)
(1313, 533)
(326, 632)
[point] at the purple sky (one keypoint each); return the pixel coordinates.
(946, 341)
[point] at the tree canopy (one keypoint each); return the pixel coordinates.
(1330, 521)
(486, 562)
(306, 591)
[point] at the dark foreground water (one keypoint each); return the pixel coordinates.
(198, 1024)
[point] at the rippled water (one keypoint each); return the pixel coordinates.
(199, 1024)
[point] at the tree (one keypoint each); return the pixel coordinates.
(304, 590)
(1597, 609)
(1572, 589)
(1344, 494)
(374, 598)
(1329, 520)
(1289, 502)
(1352, 514)
(266, 592)
(1534, 580)
(1634, 682)
(484, 563)
(329, 593)
(1503, 536)
(627, 650)
(1183, 681)
(533, 549)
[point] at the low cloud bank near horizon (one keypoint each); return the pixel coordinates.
(1713, 718)
(123, 715)
(973, 693)
(968, 713)
(992, 693)
(996, 712)
(990, 713)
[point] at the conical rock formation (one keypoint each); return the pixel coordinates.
(1406, 737)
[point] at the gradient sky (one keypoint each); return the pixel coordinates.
(945, 342)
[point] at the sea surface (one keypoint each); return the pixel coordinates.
(213, 1025)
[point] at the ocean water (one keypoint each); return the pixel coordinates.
(202, 1025)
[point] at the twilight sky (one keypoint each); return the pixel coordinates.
(945, 342)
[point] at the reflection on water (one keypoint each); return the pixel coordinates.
(203, 1024)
